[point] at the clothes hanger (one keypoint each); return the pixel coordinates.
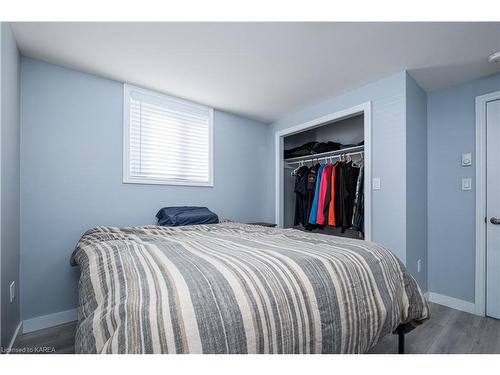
(294, 172)
(359, 163)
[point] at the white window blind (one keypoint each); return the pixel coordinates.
(167, 140)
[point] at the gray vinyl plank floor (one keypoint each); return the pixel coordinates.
(448, 331)
(59, 340)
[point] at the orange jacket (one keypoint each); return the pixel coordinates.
(331, 208)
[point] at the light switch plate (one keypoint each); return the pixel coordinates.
(466, 184)
(376, 183)
(466, 159)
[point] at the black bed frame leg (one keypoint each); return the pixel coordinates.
(401, 340)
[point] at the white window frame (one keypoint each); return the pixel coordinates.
(127, 178)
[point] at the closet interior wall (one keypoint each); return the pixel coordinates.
(346, 131)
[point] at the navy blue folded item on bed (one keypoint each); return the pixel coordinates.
(187, 215)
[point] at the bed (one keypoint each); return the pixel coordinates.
(238, 288)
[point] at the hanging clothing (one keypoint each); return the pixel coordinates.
(323, 187)
(351, 174)
(301, 196)
(340, 193)
(310, 189)
(326, 204)
(314, 206)
(330, 194)
(359, 203)
(346, 177)
(331, 207)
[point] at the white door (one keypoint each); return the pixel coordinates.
(493, 209)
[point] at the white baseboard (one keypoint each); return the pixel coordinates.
(452, 302)
(51, 320)
(14, 337)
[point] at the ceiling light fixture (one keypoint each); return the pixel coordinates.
(494, 57)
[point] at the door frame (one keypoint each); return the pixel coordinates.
(481, 220)
(364, 109)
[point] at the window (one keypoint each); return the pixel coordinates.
(166, 140)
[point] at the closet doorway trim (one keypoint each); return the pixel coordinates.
(361, 109)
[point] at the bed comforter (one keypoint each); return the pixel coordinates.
(237, 288)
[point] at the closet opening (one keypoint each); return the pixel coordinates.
(323, 181)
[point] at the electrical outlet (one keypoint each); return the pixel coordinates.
(419, 265)
(12, 291)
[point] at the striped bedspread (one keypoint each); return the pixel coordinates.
(237, 288)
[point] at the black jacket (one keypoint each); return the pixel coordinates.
(301, 196)
(358, 214)
(346, 178)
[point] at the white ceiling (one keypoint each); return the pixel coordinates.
(265, 70)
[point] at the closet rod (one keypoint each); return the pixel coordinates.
(325, 158)
(327, 155)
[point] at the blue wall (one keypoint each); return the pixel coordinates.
(451, 211)
(416, 180)
(9, 154)
(388, 154)
(71, 177)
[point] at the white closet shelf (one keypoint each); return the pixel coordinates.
(328, 154)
